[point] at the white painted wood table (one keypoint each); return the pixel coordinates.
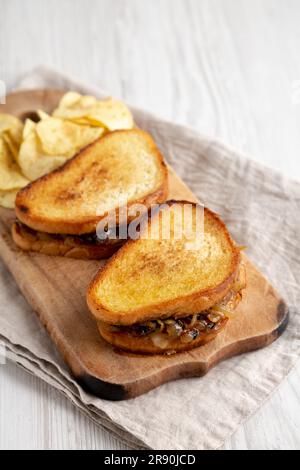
(230, 68)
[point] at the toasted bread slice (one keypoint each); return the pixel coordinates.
(62, 245)
(158, 278)
(76, 196)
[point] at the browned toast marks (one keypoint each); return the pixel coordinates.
(148, 279)
(76, 196)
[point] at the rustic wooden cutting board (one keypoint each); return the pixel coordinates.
(56, 287)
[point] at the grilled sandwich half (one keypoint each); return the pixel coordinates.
(58, 213)
(169, 294)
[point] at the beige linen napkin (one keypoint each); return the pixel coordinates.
(262, 210)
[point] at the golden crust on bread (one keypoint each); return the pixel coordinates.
(75, 197)
(149, 279)
(56, 245)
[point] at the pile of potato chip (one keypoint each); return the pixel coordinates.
(31, 150)
(11, 177)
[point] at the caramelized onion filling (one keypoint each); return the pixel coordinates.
(187, 329)
(87, 238)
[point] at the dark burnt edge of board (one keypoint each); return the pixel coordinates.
(117, 392)
(283, 316)
(102, 389)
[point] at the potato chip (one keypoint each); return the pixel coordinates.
(83, 121)
(11, 178)
(55, 137)
(42, 115)
(11, 144)
(69, 99)
(7, 198)
(71, 113)
(110, 114)
(49, 143)
(10, 174)
(32, 159)
(73, 105)
(29, 126)
(73, 99)
(64, 138)
(13, 125)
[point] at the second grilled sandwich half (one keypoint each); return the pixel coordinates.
(169, 294)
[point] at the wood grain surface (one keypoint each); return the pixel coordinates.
(237, 80)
